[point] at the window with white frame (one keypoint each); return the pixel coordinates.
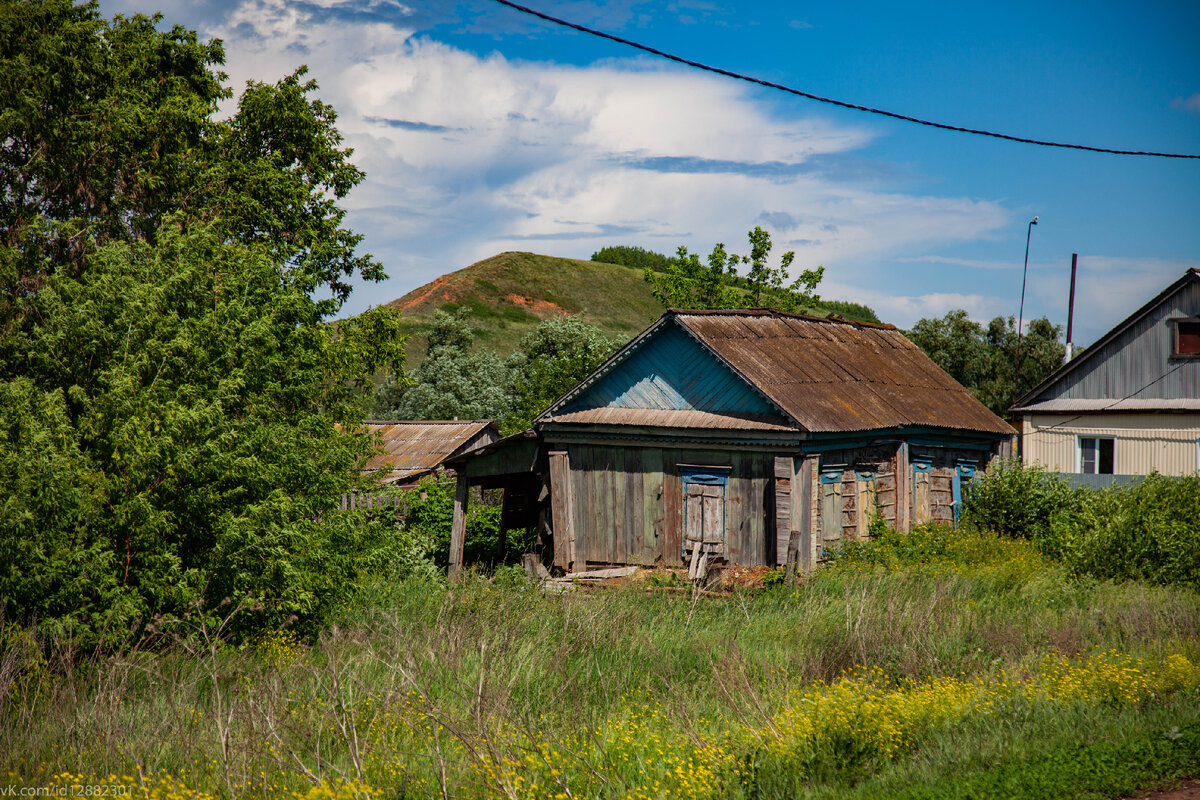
(1096, 455)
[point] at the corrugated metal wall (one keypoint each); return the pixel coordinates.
(1138, 358)
(1144, 442)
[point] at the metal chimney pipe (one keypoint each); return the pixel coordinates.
(1068, 354)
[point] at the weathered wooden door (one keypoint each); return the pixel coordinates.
(703, 517)
(706, 516)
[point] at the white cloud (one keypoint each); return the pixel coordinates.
(1191, 104)
(905, 310)
(1108, 289)
(467, 156)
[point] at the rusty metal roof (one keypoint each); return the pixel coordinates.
(415, 448)
(832, 375)
(823, 375)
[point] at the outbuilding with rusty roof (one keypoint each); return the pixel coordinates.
(413, 449)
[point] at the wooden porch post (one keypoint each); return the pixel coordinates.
(560, 509)
(458, 530)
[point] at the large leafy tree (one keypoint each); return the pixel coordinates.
(687, 283)
(552, 358)
(178, 418)
(461, 381)
(109, 127)
(454, 381)
(996, 365)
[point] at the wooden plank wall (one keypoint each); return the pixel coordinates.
(561, 514)
(933, 491)
(628, 504)
(853, 501)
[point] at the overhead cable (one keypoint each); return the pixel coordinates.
(1111, 405)
(808, 95)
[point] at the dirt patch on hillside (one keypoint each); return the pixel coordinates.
(540, 307)
(408, 302)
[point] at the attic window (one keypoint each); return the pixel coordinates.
(1186, 337)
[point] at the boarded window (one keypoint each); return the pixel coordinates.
(964, 472)
(864, 481)
(922, 466)
(831, 508)
(1096, 455)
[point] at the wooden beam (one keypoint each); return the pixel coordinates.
(800, 539)
(784, 465)
(903, 489)
(561, 509)
(458, 529)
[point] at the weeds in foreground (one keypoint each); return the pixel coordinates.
(890, 670)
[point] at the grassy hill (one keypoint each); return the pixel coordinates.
(507, 295)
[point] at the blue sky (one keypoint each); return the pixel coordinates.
(483, 130)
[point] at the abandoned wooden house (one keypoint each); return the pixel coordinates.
(749, 437)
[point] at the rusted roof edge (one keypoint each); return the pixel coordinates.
(491, 447)
(483, 423)
(762, 311)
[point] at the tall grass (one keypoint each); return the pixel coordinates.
(902, 665)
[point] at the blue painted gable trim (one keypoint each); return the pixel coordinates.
(671, 371)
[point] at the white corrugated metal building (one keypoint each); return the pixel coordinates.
(1130, 403)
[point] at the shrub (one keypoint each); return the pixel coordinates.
(1149, 531)
(430, 520)
(1016, 501)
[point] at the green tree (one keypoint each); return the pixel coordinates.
(687, 283)
(956, 343)
(767, 285)
(179, 419)
(108, 127)
(990, 362)
(551, 359)
(455, 381)
(635, 257)
(173, 439)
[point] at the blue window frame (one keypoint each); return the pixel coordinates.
(964, 471)
(713, 476)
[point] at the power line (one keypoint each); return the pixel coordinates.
(808, 95)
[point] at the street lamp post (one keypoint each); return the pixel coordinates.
(1021, 313)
